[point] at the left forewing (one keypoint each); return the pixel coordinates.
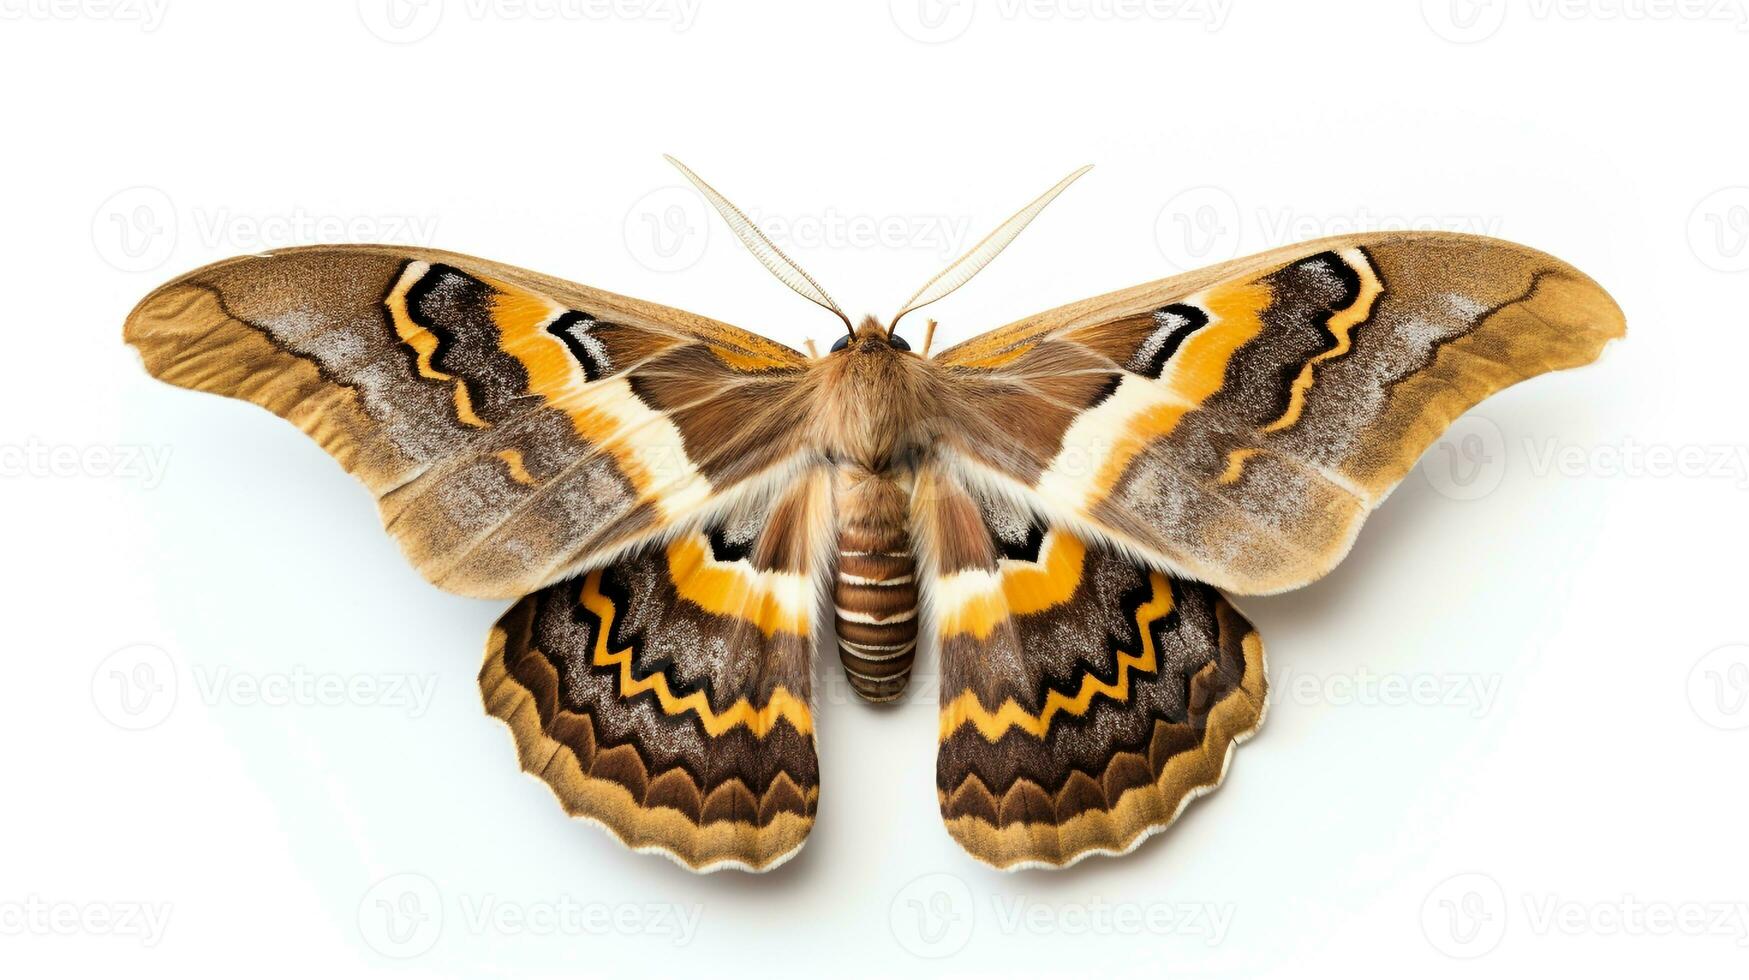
(513, 427)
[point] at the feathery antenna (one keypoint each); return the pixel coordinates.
(763, 249)
(968, 265)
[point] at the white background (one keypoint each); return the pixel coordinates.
(1509, 733)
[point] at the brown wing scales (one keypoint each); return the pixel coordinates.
(513, 427)
(1085, 698)
(1264, 407)
(666, 696)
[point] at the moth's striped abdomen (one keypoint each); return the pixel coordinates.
(876, 588)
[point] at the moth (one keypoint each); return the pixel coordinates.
(1056, 510)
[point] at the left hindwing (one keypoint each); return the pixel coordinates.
(1085, 699)
(1237, 424)
(666, 696)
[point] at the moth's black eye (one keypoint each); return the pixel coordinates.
(898, 342)
(841, 343)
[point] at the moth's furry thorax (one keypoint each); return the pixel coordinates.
(874, 404)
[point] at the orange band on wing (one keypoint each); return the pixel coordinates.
(1195, 372)
(781, 706)
(519, 316)
(644, 443)
(968, 710)
(1025, 588)
(772, 601)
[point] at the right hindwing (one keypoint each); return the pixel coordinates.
(1085, 698)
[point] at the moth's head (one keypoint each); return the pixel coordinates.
(870, 336)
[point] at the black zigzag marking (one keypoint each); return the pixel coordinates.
(1296, 287)
(455, 308)
(427, 309)
(621, 637)
(1016, 741)
(1130, 641)
(572, 599)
